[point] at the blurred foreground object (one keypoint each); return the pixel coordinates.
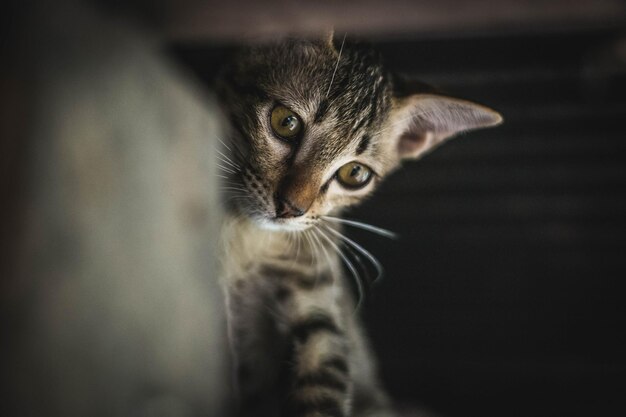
(250, 20)
(110, 305)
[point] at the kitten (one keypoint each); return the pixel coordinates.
(314, 126)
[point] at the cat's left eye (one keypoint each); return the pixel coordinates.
(354, 175)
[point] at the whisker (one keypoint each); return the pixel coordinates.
(308, 238)
(336, 65)
(298, 241)
(355, 257)
(374, 229)
(235, 198)
(314, 233)
(229, 181)
(235, 193)
(362, 250)
(224, 155)
(226, 169)
(290, 243)
(317, 246)
(326, 254)
(351, 267)
(234, 188)
(223, 143)
(228, 162)
(238, 151)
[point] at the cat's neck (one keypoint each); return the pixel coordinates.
(245, 244)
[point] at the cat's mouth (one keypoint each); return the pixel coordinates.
(282, 224)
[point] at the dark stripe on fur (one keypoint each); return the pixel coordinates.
(306, 283)
(363, 144)
(275, 272)
(326, 406)
(338, 363)
(315, 323)
(311, 282)
(282, 293)
(322, 109)
(303, 281)
(361, 123)
(322, 378)
(325, 186)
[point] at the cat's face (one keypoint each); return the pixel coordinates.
(315, 127)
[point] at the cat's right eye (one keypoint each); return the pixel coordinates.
(354, 175)
(285, 123)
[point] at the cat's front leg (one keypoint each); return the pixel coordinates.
(320, 383)
(334, 371)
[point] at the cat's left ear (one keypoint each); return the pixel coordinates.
(420, 122)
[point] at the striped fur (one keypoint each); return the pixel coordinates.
(298, 345)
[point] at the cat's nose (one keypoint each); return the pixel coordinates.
(285, 209)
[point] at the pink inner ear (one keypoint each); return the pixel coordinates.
(412, 143)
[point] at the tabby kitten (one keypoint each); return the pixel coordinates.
(314, 126)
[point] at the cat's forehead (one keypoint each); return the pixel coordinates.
(348, 90)
(309, 67)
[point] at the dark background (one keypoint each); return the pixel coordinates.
(503, 295)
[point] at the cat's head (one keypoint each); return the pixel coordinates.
(315, 126)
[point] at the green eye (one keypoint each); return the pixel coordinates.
(285, 123)
(354, 175)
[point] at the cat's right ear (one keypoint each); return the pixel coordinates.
(327, 37)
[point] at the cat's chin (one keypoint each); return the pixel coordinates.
(280, 225)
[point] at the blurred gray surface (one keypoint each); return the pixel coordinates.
(113, 308)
